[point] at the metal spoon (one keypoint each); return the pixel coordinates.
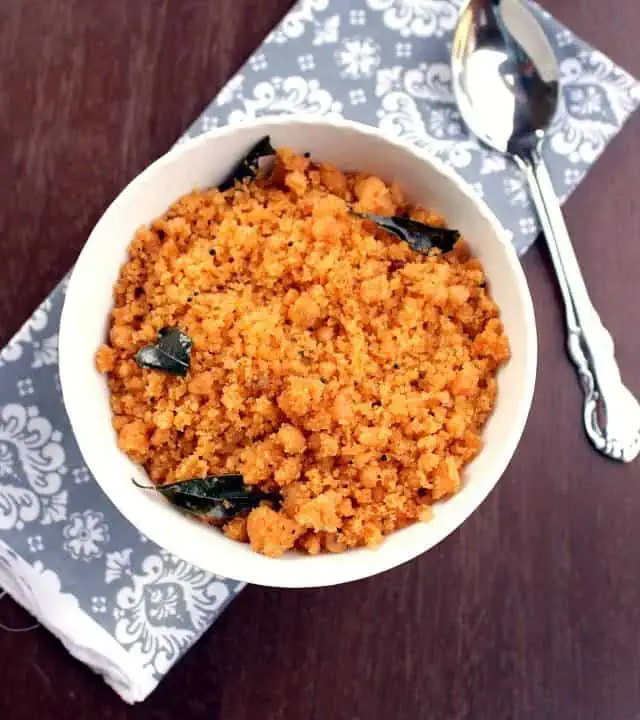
(505, 79)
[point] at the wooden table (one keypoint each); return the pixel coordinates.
(532, 609)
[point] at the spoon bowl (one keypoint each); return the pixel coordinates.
(507, 98)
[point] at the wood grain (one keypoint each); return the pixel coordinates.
(530, 610)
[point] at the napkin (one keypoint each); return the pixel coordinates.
(119, 603)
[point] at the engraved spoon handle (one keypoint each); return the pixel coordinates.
(611, 413)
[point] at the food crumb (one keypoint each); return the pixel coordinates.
(271, 533)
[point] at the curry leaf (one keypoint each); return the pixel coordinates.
(219, 497)
(249, 165)
(419, 236)
(171, 353)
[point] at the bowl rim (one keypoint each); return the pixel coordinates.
(275, 572)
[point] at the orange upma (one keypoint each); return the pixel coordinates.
(331, 363)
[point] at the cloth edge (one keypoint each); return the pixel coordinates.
(64, 619)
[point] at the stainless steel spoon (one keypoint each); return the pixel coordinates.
(505, 79)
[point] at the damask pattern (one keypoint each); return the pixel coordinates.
(119, 603)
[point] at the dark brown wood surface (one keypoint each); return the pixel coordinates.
(532, 609)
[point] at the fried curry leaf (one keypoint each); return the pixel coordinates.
(419, 236)
(219, 497)
(249, 165)
(171, 353)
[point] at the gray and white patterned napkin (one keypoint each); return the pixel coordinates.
(119, 603)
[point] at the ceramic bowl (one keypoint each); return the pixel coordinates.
(202, 162)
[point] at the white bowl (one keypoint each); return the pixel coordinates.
(203, 162)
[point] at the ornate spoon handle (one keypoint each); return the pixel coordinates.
(611, 413)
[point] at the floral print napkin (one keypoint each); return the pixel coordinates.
(118, 602)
